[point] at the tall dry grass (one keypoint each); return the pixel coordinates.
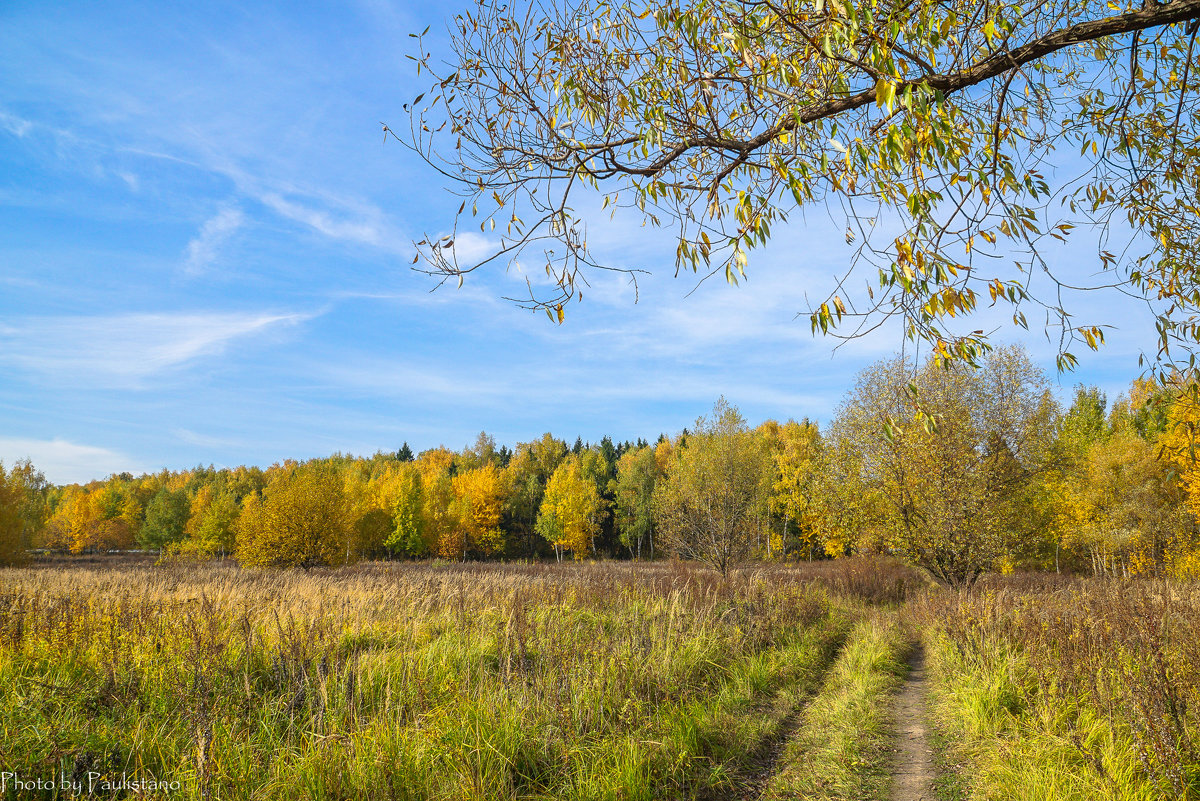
(1106, 671)
(407, 680)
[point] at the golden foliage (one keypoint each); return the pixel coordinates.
(710, 504)
(930, 461)
(795, 450)
(479, 501)
(302, 520)
(571, 509)
(12, 549)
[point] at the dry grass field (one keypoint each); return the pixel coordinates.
(585, 681)
(1057, 688)
(416, 680)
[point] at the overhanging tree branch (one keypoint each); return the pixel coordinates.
(720, 117)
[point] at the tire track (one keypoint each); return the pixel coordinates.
(913, 769)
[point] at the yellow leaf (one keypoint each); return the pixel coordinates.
(885, 93)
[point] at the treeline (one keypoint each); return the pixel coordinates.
(540, 498)
(960, 470)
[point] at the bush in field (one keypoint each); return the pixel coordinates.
(302, 519)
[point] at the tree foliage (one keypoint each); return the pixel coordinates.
(529, 471)
(33, 499)
(939, 456)
(92, 518)
(959, 470)
(710, 504)
(166, 518)
(638, 473)
(479, 502)
(938, 128)
(402, 494)
(300, 520)
(571, 511)
(795, 452)
(12, 543)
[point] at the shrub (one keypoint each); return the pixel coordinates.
(301, 520)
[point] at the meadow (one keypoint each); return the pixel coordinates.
(600, 680)
(1056, 688)
(412, 680)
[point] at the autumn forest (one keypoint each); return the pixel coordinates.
(959, 471)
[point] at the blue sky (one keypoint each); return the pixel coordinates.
(205, 247)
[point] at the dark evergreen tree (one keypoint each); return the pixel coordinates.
(607, 539)
(609, 453)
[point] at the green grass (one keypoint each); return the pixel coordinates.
(1068, 689)
(950, 780)
(604, 681)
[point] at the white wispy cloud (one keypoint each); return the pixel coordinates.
(131, 180)
(123, 349)
(65, 462)
(16, 126)
(367, 231)
(203, 250)
(206, 440)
